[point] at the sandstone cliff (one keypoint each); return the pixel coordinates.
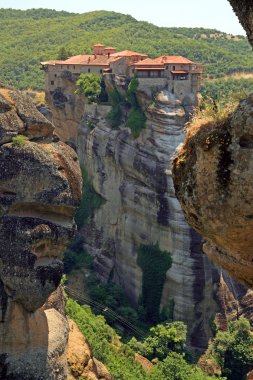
(213, 181)
(134, 177)
(40, 188)
(67, 107)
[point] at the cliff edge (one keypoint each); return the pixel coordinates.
(213, 181)
(40, 188)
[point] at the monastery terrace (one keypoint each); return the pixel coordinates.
(182, 75)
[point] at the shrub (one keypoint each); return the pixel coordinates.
(136, 121)
(115, 115)
(163, 339)
(131, 92)
(106, 344)
(233, 350)
(90, 202)
(19, 140)
(90, 86)
(174, 367)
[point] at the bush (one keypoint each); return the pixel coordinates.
(106, 344)
(90, 86)
(131, 92)
(174, 367)
(19, 140)
(163, 339)
(136, 121)
(90, 202)
(154, 264)
(233, 350)
(115, 115)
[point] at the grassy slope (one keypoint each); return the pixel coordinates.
(28, 37)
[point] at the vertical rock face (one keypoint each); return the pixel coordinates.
(134, 177)
(213, 181)
(40, 188)
(67, 107)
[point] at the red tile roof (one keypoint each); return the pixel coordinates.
(83, 60)
(128, 53)
(172, 59)
(148, 62)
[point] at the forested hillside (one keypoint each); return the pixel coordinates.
(28, 37)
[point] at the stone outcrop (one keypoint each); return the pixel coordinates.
(40, 188)
(81, 360)
(134, 177)
(213, 181)
(67, 107)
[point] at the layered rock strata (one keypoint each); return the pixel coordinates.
(134, 177)
(40, 188)
(67, 107)
(213, 181)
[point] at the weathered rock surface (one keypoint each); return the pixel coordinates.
(134, 177)
(67, 107)
(81, 360)
(214, 183)
(40, 188)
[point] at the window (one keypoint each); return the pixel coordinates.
(167, 67)
(174, 67)
(74, 67)
(88, 70)
(132, 71)
(52, 82)
(101, 71)
(55, 75)
(61, 66)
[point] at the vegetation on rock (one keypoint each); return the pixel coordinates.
(120, 358)
(115, 115)
(90, 86)
(232, 350)
(174, 367)
(163, 339)
(91, 200)
(19, 140)
(154, 264)
(136, 118)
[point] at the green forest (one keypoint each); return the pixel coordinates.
(22, 49)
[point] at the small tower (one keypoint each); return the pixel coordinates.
(109, 50)
(99, 49)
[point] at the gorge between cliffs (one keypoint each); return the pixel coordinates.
(133, 177)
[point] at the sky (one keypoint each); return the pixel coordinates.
(216, 14)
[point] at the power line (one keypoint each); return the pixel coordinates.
(105, 309)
